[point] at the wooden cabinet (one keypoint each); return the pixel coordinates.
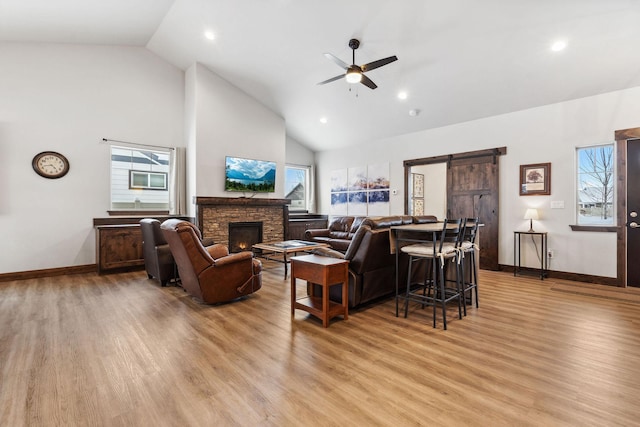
(299, 224)
(118, 247)
(119, 242)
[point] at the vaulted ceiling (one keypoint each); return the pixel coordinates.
(458, 60)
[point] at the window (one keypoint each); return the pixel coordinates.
(139, 178)
(296, 184)
(148, 180)
(596, 188)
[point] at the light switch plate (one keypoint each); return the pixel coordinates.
(557, 204)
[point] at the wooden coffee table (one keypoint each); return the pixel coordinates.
(284, 248)
(325, 272)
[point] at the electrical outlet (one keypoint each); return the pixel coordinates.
(550, 253)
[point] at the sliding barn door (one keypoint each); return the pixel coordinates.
(472, 191)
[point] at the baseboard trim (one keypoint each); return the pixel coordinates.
(48, 272)
(576, 277)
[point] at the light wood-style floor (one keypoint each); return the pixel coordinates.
(120, 350)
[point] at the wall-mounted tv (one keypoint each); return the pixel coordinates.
(248, 175)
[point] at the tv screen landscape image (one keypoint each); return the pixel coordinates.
(248, 175)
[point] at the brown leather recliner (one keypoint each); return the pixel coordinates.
(210, 274)
(158, 261)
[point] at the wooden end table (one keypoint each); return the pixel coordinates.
(326, 272)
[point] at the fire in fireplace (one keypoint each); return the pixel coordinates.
(243, 235)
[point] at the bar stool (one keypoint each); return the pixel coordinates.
(444, 247)
(468, 249)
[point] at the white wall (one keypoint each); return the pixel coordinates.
(435, 188)
(298, 154)
(190, 109)
(545, 134)
(229, 122)
(66, 98)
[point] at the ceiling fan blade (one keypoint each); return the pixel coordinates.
(379, 63)
(368, 82)
(337, 60)
(332, 79)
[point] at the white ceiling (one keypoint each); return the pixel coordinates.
(458, 60)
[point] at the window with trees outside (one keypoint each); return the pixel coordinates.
(596, 185)
(296, 184)
(139, 179)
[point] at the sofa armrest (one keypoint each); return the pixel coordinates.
(164, 254)
(328, 252)
(217, 251)
(233, 258)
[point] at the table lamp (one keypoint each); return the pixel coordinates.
(531, 214)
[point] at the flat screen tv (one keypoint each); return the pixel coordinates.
(248, 175)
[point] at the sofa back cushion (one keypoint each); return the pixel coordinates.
(369, 250)
(388, 221)
(424, 219)
(357, 222)
(341, 224)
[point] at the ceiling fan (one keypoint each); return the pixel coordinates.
(355, 73)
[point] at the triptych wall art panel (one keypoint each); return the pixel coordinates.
(361, 190)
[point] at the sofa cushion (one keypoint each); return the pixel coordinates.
(341, 223)
(424, 219)
(357, 221)
(339, 244)
(389, 221)
(339, 235)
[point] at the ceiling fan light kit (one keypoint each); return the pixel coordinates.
(355, 73)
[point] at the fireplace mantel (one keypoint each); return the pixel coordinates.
(242, 201)
(213, 215)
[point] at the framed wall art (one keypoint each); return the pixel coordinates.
(418, 207)
(535, 179)
(418, 185)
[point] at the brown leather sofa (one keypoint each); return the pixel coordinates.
(338, 234)
(341, 230)
(372, 268)
(158, 261)
(210, 274)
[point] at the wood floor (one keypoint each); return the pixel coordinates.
(120, 350)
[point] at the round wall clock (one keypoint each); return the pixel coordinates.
(50, 164)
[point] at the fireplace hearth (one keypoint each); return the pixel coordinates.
(243, 235)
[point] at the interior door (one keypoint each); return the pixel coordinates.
(633, 212)
(472, 191)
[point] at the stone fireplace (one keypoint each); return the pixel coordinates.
(214, 214)
(243, 235)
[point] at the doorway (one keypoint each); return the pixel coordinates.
(472, 190)
(628, 204)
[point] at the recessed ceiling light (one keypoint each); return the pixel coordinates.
(402, 95)
(323, 120)
(414, 112)
(559, 45)
(209, 35)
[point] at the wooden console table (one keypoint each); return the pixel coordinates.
(323, 271)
